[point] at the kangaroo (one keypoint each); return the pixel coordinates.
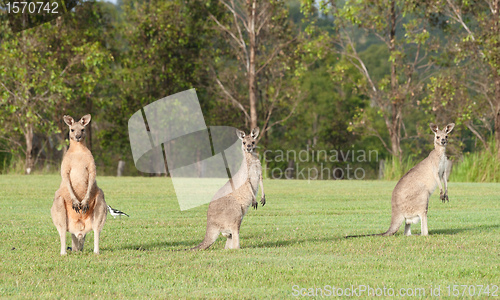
(410, 197)
(225, 213)
(79, 205)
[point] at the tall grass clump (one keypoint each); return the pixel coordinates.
(394, 170)
(480, 166)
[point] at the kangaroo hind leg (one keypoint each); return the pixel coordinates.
(60, 220)
(99, 218)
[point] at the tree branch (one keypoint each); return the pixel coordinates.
(374, 132)
(477, 134)
(458, 17)
(242, 45)
(233, 100)
(273, 55)
(14, 142)
(284, 119)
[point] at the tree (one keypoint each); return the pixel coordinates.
(40, 71)
(474, 46)
(262, 48)
(403, 31)
(162, 48)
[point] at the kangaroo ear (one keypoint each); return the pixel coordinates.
(85, 120)
(255, 132)
(240, 134)
(433, 127)
(449, 127)
(68, 120)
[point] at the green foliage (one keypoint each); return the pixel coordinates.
(161, 48)
(394, 169)
(472, 45)
(480, 166)
(44, 71)
(112, 60)
(321, 119)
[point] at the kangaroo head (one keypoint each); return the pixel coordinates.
(248, 142)
(77, 129)
(441, 136)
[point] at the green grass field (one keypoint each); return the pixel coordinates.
(296, 241)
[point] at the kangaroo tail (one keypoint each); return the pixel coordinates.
(362, 235)
(396, 222)
(210, 237)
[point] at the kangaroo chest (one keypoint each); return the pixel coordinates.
(442, 163)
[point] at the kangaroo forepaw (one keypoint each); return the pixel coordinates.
(255, 204)
(263, 200)
(85, 207)
(76, 206)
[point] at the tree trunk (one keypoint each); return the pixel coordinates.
(496, 75)
(497, 113)
(252, 91)
(29, 165)
(395, 142)
(89, 128)
(121, 168)
(396, 102)
(315, 129)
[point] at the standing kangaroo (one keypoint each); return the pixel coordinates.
(226, 213)
(410, 197)
(79, 205)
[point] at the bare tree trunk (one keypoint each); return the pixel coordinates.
(396, 104)
(496, 75)
(252, 91)
(315, 129)
(121, 168)
(497, 113)
(89, 128)
(29, 149)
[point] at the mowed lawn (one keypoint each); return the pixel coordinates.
(296, 241)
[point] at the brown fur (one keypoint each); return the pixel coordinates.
(226, 213)
(410, 197)
(79, 205)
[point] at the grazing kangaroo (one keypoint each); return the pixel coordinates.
(410, 197)
(79, 205)
(225, 213)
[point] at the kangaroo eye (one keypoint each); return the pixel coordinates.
(72, 130)
(446, 136)
(83, 130)
(253, 143)
(244, 143)
(437, 137)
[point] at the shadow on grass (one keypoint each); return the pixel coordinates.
(277, 244)
(452, 231)
(188, 244)
(162, 245)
